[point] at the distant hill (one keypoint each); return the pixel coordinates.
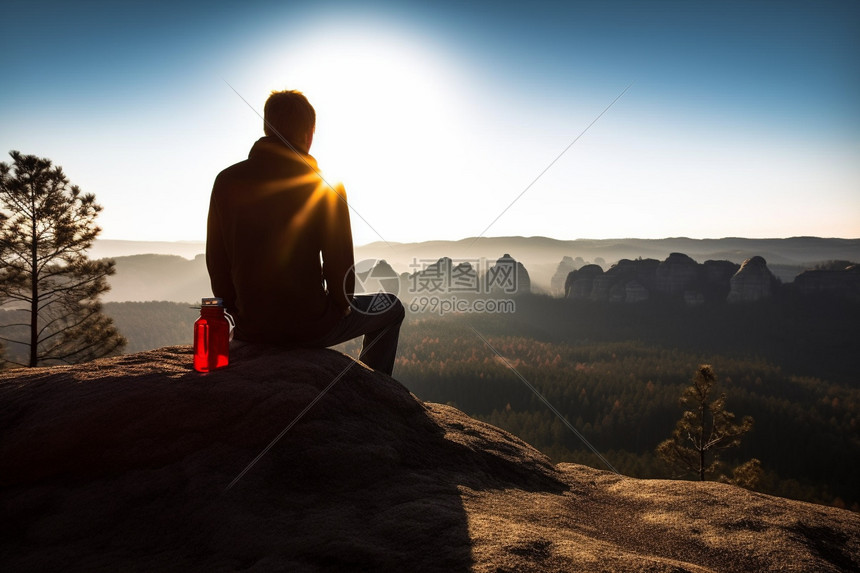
(109, 248)
(163, 277)
(159, 277)
(795, 250)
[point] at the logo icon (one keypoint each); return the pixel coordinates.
(376, 286)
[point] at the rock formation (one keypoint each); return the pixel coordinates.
(628, 281)
(463, 276)
(565, 267)
(625, 281)
(752, 282)
(601, 284)
(634, 291)
(579, 283)
(381, 277)
(449, 278)
(124, 464)
(676, 274)
(507, 277)
(844, 283)
(716, 279)
(433, 279)
(677, 277)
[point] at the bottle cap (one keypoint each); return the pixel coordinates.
(213, 301)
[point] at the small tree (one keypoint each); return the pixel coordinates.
(704, 430)
(46, 279)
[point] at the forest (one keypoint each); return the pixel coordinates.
(616, 373)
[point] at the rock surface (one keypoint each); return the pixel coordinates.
(676, 274)
(507, 276)
(565, 267)
(446, 277)
(843, 283)
(752, 282)
(579, 283)
(378, 278)
(123, 464)
(677, 277)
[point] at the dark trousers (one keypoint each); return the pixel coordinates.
(378, 317)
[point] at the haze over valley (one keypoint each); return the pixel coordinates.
(176, 271)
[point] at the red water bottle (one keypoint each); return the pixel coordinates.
(212, 334)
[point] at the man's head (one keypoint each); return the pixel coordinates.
(288, 114)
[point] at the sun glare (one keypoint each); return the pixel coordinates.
(387, 113)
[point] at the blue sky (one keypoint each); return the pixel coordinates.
(741, 118)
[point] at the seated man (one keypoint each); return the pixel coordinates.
(279, 246)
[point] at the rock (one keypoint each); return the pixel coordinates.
(442, 279)
(601, 286)
(381, 277)
(464, 278)
(557, 282)
(433, 279)
(626, 281)
(124, 464)
(618, 292)
(752, 282)
(717, 277)
(680, 277)
(843, 283)
(693, 298)
(507, 277)
(610, 285)
(719, 272)
(676, 274)
(646, 272)
(579, 283)
(634, 291)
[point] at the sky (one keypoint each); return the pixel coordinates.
(447, 120)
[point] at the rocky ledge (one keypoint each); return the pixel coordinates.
(124, 464)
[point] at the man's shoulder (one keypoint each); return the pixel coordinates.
(246, 172)
(232, 172)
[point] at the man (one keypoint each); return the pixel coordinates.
(279, 246)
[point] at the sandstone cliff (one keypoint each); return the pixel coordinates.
(123, 464)
(580, 283)
(676, 277)
(752, 282)
(379, 277)
(676, 274)
(446, 277)
(565, 267)
(507, 277)
(843, 283)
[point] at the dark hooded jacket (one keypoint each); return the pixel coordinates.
(279, 246)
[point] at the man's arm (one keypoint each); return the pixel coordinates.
(217, 262)
(338, 258)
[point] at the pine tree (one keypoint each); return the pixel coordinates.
(46, 279)
(704, 430)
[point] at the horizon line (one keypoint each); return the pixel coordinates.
(511, 237)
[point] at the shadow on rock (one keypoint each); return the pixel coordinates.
(124, 463)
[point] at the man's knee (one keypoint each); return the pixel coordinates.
(397, 310)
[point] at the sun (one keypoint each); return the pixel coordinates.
(387, 113)
(376, 95)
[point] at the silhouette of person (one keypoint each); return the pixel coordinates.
(279, 247)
